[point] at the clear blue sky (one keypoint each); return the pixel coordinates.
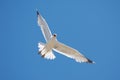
(90, 26)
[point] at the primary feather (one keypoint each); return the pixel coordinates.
(44, 27)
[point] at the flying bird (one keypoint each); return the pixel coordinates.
(52, 44)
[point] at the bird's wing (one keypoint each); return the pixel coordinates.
(44, 27)
(70, 52)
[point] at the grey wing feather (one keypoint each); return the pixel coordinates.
(44, 27)
(70, 52)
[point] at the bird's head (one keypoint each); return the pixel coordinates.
(54, 35)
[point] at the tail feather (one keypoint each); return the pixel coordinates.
(48, 55)
(41, 46)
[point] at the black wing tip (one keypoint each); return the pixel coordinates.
(90, 61)
(37, 12)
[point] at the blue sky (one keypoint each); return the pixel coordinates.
(90, 26)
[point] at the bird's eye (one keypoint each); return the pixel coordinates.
(54, 35)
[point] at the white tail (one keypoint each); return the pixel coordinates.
(48, 55)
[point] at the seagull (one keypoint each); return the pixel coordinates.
(52, 44)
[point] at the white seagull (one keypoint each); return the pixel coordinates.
(53, 44)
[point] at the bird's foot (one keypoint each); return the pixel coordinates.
(39, 52)
(43, 55)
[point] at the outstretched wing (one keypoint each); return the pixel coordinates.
(44, 27)
(71, 53)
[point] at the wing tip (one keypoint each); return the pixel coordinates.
(37, 12)
(90, 61)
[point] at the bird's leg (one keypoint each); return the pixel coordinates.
(39, 52)
(43, 52)
(43, 55)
